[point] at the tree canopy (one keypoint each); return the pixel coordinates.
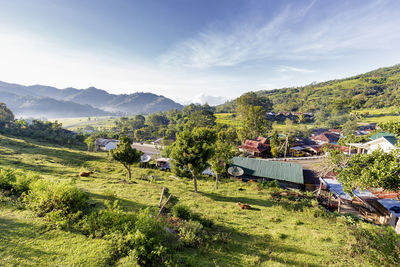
(6, 114)
(192, 150)
(224, 151)
(376, 170)
(125, 154)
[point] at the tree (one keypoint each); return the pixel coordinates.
(192, 150)
(6, 114)
(255, 123)
(125, 154)
(224, 151)
(90, 142)
(376, 170)
(199, 116)
(252, 99)
(391, 127)
(350, 127)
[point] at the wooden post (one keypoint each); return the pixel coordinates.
(339, 205)
(166, 202)
(161, 198)
(320, 187)
(329, 200)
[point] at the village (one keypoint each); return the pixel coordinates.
(299, 168)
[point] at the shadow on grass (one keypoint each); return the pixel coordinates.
(33, 167)
(64, 157)
(127, 205)
(11, 247)
(238, 246)
(250, 201)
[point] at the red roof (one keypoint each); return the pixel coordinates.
(253, 146)
(380, 193)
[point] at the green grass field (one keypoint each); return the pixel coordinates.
(272, 234)
(96, 122)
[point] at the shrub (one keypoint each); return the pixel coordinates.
(44, 197)
(17, 182)
(181, 211)
(105, 222)
(7, 178)
(379, 245)
(267, 184)
(149, 242)
(23, 182)
(191, 233)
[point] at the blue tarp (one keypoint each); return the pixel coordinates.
(337, 189)
(392, 205)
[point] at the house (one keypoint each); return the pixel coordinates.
(326, 137)
(286, 173)
(257, 147)
(105, 144)
(385, 142)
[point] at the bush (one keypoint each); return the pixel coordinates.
(181, 211)
(191, 233)
(16, 181)
(45, 196)
(379, 245)
(23, 182)
(150, 241)
(267, 184)
(7, 178)
(105, 222)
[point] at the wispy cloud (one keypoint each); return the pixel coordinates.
(294, 69)
(293, 34)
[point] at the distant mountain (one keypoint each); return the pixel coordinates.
(376, 89)
(51, 102)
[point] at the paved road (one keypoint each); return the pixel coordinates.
(146, 148)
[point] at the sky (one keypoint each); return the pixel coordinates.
(202, 51)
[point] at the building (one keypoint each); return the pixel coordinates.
(326, 137)
(257, 148)
(106, 144)
(286, 173)
(385, 141)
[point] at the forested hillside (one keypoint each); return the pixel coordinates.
(376, 89)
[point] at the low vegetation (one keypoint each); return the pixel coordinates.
(109, 220)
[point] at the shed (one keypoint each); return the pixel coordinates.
(260, 168)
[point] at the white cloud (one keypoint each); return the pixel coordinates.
(207, 99)
(294, 69)
(293, 34)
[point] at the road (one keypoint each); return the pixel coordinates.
(146, 148)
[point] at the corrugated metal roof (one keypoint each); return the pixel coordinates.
(284, 171)
(379, 135)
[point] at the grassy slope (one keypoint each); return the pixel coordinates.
(269, 235)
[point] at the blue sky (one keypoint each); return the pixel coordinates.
(194, 50)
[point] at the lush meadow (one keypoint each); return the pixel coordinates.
(279, 230)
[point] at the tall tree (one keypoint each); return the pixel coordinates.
(252, 99)
(6, 114)
(376, 170)
(192, 150)
(125, 154)
(255, 123)
(224, 151)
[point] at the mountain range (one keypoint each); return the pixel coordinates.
(50, 102)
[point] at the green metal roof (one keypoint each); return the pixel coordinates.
(284, 171)
(379, 135)
(391, 139)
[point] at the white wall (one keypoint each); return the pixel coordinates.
(384, 145)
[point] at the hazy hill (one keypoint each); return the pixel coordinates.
(375, 89)
(47, 101)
